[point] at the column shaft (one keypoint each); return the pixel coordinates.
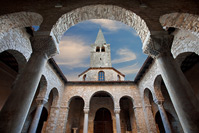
(85, 130)
(181, 93)
(117, 115)
(36, 119)
(165, 119)
(16, 108)
(150, 119)
(140, 121)
(179, 89)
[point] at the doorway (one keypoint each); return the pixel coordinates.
(103, 121)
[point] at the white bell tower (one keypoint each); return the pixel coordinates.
(100, 52)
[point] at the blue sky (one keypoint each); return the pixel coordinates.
(126, 48)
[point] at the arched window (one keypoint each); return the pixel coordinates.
(97, 49)
(103, 49)
(118, 78)
(84, 77)
(101, 76)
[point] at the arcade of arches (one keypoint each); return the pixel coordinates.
(35, 96)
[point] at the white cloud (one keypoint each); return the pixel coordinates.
(73, 52)
(110, 24)
(132, 69)
(72, 77)
(125, 55)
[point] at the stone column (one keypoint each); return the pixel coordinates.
(37, 115)
(16, 108)
(139, 119)
(86, 111)
(52, 119)
(62, 120)
(164, 117)
(117, 115)
(179, 89)
(75, 130)
(150, 118)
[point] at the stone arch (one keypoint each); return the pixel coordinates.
(19, 57)
(157, 88)
(127, 114)
(111, 12)
(102, 91)
(181, 57)
(71, 98)
(75, 114)
(146, 96)
(184, 42)
(16, 39)
(19, 20)
(127, 96)
(184, 21)
(56, 96)
(43, 87)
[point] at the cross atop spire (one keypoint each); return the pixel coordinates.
(100, 38)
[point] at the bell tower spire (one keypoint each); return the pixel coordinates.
(100, 52)
(100, 38)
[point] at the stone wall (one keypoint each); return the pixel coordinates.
(115, 90)
(110, 75)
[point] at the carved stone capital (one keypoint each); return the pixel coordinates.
(158, 45)
(44, 44)
(86, 110)
(41, 101)
(117, 110)
(159, 102)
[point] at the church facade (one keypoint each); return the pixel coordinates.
(35, 96)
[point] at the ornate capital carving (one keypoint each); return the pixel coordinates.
(158, 45)
(40, 101)
(86, 110)
(117, 110)
(159, 102)
(44, 44)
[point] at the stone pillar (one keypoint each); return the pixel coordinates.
(86, 111)
(117, 115)
(37, 116)
(164, 117)
(62, 120)
(16, 108)
(52, 119)
(179, 89)
(75, 130)
(150, 118)
(139, 118)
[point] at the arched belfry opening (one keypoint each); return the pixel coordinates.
(103, 49)
(103, 121)
(97, 49)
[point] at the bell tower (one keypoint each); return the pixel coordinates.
(100, 52)
(100, 63)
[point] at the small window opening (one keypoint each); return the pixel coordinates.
(97, 49)
(118, 78)
(101, 76)
(84, 77)
(103, 49)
